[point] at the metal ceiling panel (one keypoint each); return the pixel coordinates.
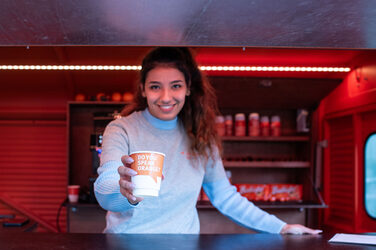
(257, 23)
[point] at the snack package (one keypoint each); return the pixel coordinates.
(285, 192)
(254, 192)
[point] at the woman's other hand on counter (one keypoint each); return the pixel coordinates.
(298, 229)
(126, 185)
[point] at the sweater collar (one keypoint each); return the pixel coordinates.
(160, 124)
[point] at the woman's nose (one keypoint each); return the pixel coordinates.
(166, 96)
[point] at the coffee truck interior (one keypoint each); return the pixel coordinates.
(268, 57)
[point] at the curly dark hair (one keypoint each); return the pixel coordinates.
(200, 108)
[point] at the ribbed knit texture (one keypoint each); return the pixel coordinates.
(174, 210)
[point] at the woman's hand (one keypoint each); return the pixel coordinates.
(298, 229)
(126, 186)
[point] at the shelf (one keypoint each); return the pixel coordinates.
(265, 204)
(97, 103)
(292, 138)
(103, 118)
(80, 204)
(266, 164)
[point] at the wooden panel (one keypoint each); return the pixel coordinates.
(341, 173)
(33, 166)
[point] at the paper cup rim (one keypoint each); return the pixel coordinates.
(146, 151)
(73, 186)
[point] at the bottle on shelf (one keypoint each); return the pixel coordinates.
(220, 125)
(265, 126)
(253, 124)
(229, 125)
(275, 126)
(240, 124)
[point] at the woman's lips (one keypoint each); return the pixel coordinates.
(166, 108)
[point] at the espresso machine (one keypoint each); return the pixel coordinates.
(95, 149)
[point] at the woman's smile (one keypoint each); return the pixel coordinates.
(166, 108)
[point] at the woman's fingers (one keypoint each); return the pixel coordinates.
(126, 189)
(126, 173)
(127, 160)
(307, 230)
(126, 186)
(298, 229)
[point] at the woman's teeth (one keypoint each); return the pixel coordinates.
(166, 107)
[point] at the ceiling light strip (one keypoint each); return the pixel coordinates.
(275, 68)
(203, 68)
(70, 67)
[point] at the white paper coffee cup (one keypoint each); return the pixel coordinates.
(149, 166)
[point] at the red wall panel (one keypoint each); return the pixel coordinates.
(347, 117)
(339, 185)
(33, 170)
(368, 126)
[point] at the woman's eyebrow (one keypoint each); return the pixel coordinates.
(176, 81)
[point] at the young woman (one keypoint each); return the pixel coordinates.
(173, 113)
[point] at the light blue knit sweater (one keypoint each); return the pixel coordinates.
(174, 210)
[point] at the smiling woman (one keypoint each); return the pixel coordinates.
(173, 113)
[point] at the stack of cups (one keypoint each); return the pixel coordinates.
(73, 193)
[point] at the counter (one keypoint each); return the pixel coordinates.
(81, 241)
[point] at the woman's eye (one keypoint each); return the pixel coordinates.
(176, 86)
(154, 87)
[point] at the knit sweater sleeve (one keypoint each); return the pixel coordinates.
(230, 203)
(106, 186)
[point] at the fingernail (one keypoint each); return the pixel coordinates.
(129, 160)
(132, 172)
(133, 198)
(132, 186)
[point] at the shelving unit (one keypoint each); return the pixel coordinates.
(268, 160)
(266, 164)
(273, 205)
(291, 138)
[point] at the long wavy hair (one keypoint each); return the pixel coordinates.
(200, 107)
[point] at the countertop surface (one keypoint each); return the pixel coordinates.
(40, 241)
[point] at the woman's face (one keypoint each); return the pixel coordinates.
(165, 90)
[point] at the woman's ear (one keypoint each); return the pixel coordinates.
(188, 89)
